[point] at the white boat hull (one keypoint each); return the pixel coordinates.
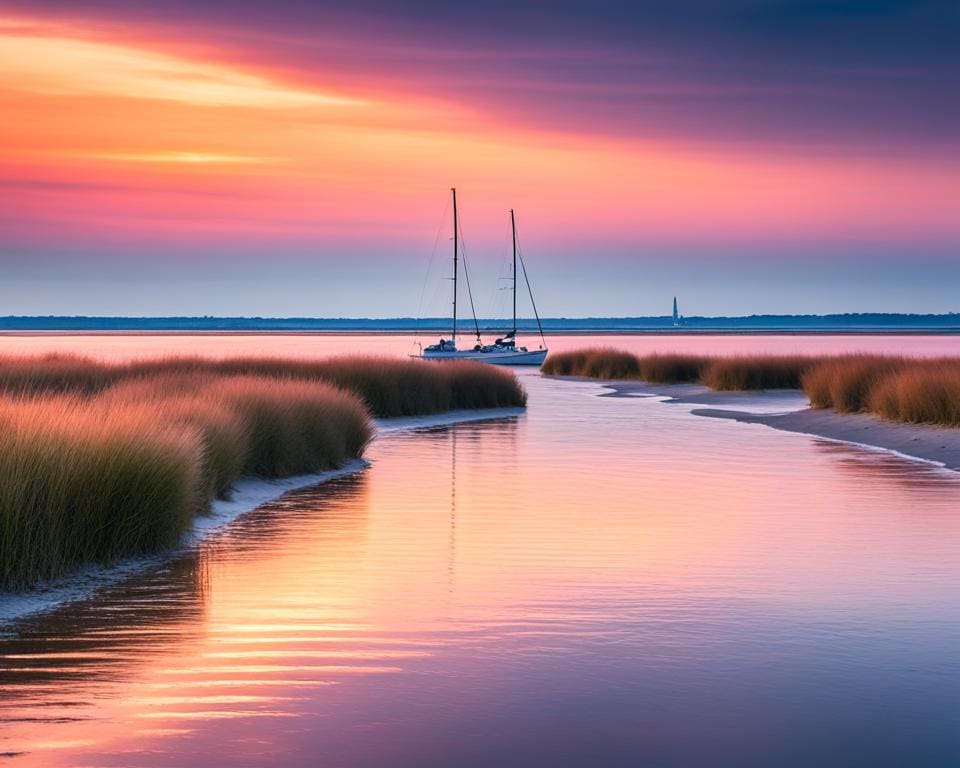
(532, 357)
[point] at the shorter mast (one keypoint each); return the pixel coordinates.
(513, 231)
(453, 336)
(526, 279)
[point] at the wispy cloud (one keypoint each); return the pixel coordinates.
(188, 158)
(54, 64)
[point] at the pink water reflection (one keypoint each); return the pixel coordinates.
(121, 346)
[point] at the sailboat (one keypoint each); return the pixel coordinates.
(504, 351)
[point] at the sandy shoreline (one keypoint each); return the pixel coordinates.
(248, 494)
(788, 410)
(698, 394)
(940, 445)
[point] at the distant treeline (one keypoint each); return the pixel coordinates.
(873, 321)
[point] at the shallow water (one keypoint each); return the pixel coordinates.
(602, 581)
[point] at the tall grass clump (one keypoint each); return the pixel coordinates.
(477, 385)
(599, 363)
(191, 401)
(756, 372)
(846, 382)
(80, 483)
(926, 394)
(256, 425)
(726, 373)
(672, 368)
(567, 363)
(604, 363)
(295, 427)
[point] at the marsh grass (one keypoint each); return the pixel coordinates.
(927, 394)
(389, 386)
(100, 461)
(82, 483)
(190, 401)
(605, 363)
(918, 391)
(896, 388)
(673, 369)
(594, 363)
(756, 372)
(846, 382)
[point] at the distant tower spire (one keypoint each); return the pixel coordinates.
(676, 313)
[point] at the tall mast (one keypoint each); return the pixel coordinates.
(513, 231)
(454, 336)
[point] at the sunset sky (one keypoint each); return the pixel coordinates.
(295, 158)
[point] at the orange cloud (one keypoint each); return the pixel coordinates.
(222, 149)
(70, 66)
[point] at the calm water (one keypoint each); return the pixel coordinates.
(131, 345)
(600, 582)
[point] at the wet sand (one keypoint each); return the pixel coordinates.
(698, 394)
(922, 441)
(785, 410)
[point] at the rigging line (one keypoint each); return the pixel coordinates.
(466, 274)
(526, 279)
(426, 276)
(493, 300)
(501, 300)
(498, 294)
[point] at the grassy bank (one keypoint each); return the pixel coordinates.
(723, 373)
(390, 387)
(896, 388)
(102, 461)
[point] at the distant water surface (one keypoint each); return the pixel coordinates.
(121, 346)
(600, 582)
